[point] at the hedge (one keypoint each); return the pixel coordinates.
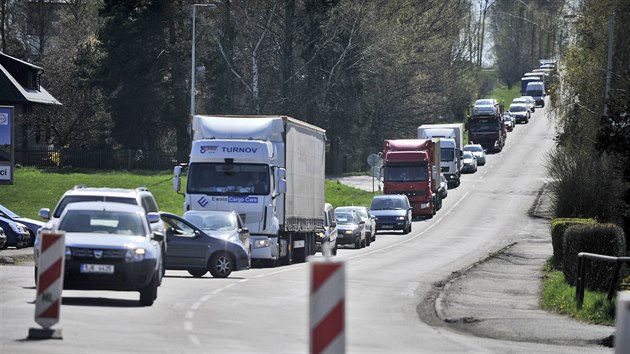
(604, 239)
(558, 227)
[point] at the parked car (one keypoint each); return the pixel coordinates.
(140, 196)
(110, 246)
(17, 233)
(370, 224)
(443, 189)
(485, 107)
(527, 100)
(329, 233)
(469, 162)
(520, 112)
(391, 212)
(203, 241)
(3, 239)
(478, 152)
(350, 229)
(31, 224)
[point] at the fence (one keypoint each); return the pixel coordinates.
(113, 159)
(584, 259)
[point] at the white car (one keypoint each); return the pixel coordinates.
(443, 189)
(478, 152)
(110, 246)
(486, 107)
(469, 162)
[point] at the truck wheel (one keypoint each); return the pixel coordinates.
(221, 265)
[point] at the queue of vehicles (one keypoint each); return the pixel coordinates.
(254, 192)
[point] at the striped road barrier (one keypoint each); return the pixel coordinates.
(49, 286)
(327, 308)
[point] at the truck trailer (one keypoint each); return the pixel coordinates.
(283, 208)
(412, 167)
(451, 143)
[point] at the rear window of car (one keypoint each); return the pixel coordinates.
(89, 198)
(473, 148)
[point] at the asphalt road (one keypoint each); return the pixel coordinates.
(425, 292)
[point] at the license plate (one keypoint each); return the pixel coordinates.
(97, 268)
(387, 226)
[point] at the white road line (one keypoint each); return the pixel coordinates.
(194, 340)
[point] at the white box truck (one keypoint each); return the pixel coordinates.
(270, 169)
(451, 143)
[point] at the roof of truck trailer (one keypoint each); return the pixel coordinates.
(283, 118)
(406, 144)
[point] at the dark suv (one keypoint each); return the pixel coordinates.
(391, 212)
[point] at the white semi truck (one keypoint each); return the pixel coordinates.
(451, 144)
(283, 210)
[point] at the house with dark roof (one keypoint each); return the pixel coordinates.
(20, 88)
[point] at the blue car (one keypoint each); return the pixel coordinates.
(17, 233)
(391, 212)
(31, 224)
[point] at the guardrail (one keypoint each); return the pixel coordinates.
(584, 259)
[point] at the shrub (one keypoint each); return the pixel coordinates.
(558, 228)
(604, 239)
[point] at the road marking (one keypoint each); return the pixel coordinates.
(194, 340)
(188, 325)
(190, 314)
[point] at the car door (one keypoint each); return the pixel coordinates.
(187, 246)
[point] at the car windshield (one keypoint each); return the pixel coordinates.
(480, 125)
(473, 148)
(468, 155)
(212, 221)
(344, 218)
(405, 173)
(7, 213)
(99, 221)
(228, 179)
(535, 93)
(484, 103)
(90, 198)
(387, 204)
(362, 212)
(518, 109)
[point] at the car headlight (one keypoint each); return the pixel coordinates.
(348, 232)
(68, 253)
(135, 255)
(400, 218)
(320, 235)
(261, 243)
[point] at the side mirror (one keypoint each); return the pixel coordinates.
(44, 213)
(157, 236)
(243, 231)
(153, 217)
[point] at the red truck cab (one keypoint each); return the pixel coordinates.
(412, 167)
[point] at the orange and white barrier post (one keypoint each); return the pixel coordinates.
(327, 308)
(49, 285)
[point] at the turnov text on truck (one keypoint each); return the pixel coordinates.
(412, 167)
(487, 130)
(451, 143)
(269, 169)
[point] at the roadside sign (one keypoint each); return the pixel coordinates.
(373, 159)
(7, 147)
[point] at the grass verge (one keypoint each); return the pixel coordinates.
(502, 94)
(34, 189)
(559, 297)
